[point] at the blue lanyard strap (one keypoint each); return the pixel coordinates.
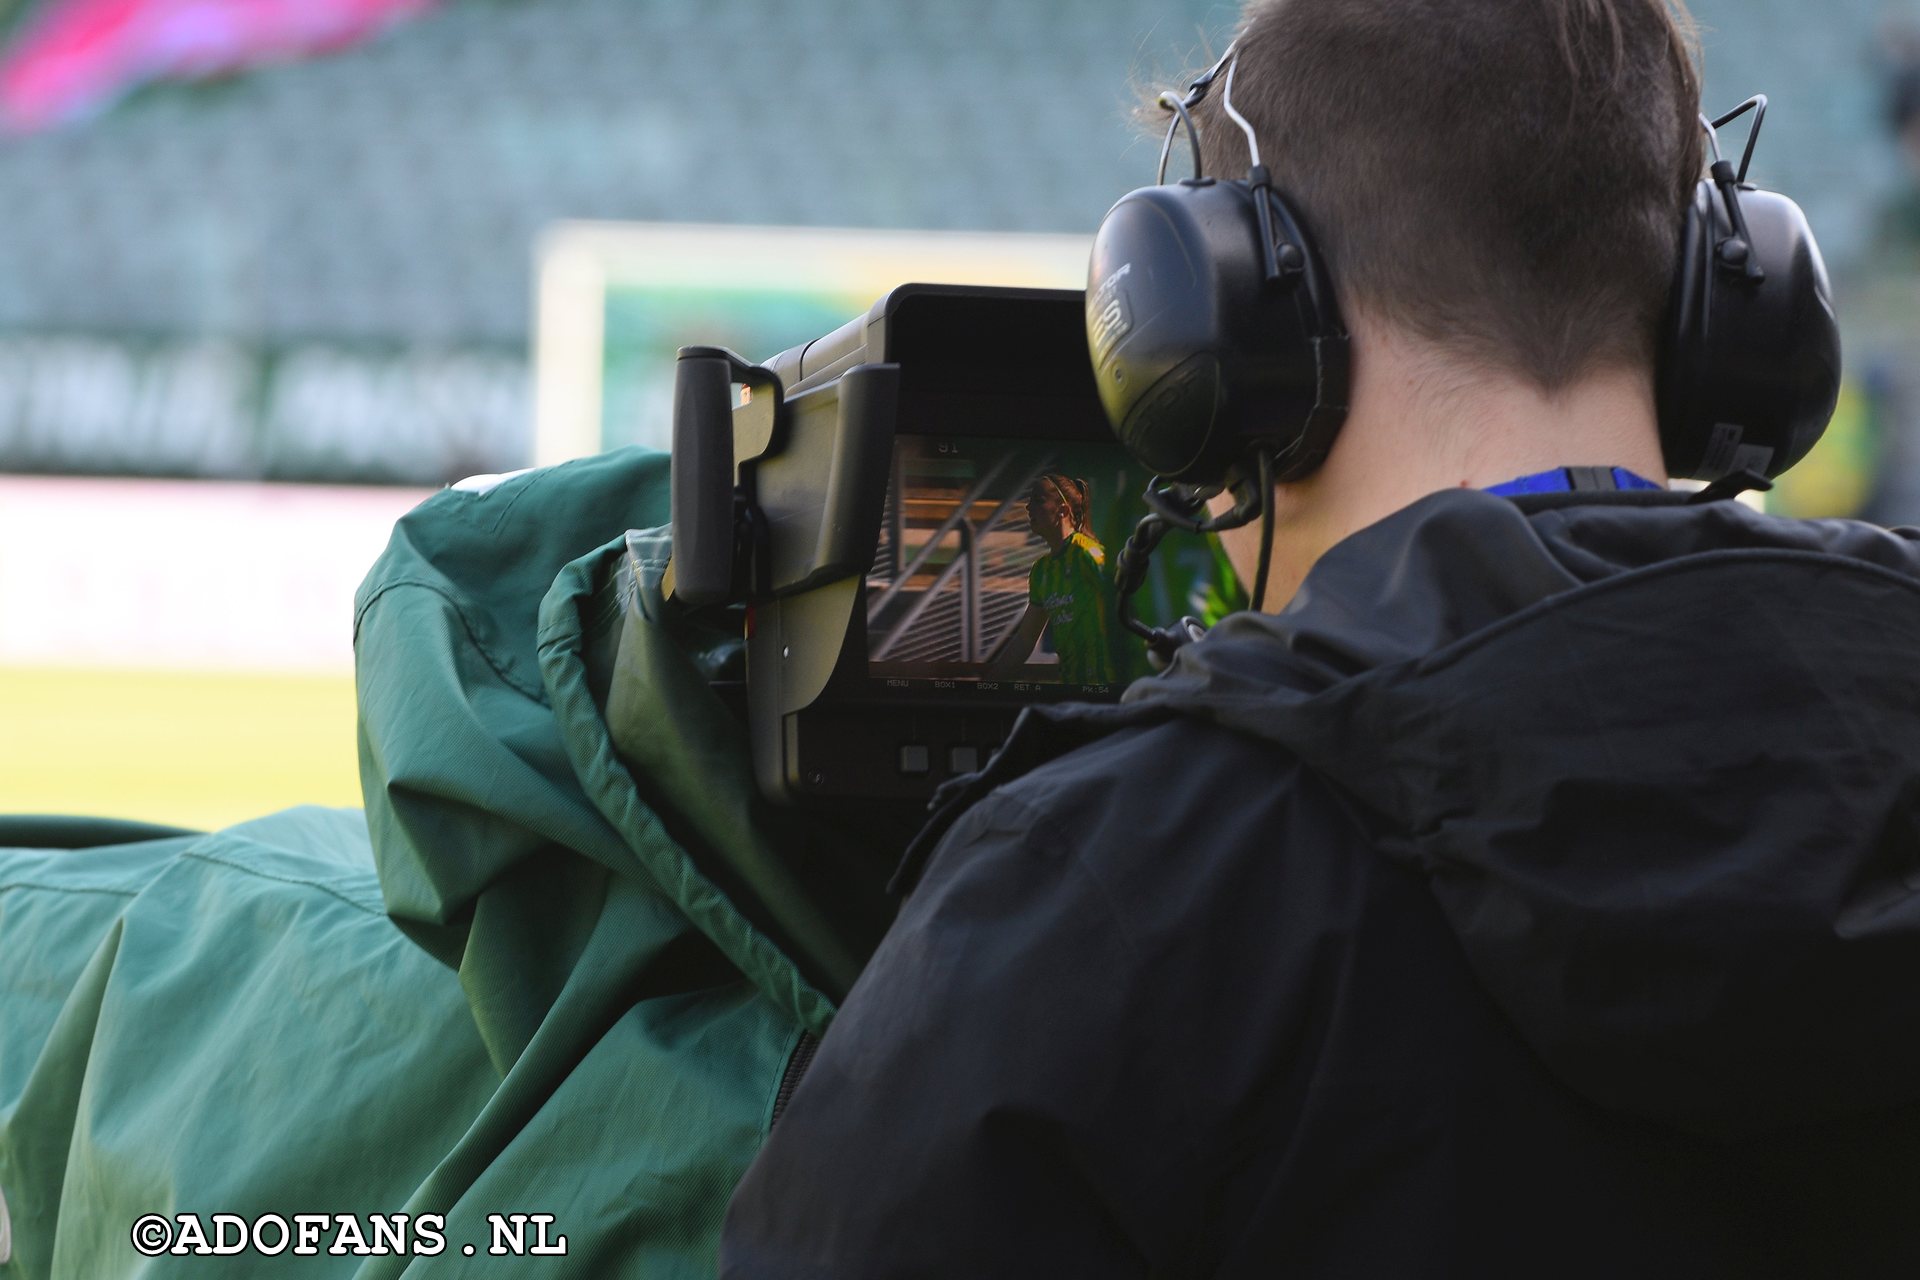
(1571, 479)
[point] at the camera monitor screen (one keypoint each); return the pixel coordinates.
(995, 566)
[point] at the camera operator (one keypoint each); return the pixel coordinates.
(1533, 890)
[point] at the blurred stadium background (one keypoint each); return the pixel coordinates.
(271, 270)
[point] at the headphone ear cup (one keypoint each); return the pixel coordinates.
(1749, 368)
(1200, 358)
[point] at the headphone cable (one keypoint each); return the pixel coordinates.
(1184, 507)
(1259, 600)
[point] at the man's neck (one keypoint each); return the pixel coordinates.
(1421, 423)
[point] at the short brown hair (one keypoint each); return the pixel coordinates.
(1504, 178)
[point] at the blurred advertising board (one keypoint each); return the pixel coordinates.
(186, 575)
(91, 404)
(74, 58)
(616, 301)
(181, 650)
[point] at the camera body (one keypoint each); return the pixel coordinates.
(914, 511)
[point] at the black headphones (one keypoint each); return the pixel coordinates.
(1216, 336)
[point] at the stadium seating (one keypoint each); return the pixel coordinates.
(392, 192)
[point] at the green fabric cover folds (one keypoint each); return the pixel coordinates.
(558, 966)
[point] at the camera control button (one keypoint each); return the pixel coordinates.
(915, 760)
(964, 759)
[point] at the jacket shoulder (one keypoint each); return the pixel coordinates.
(1180, 824)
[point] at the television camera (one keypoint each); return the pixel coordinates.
(912, 515)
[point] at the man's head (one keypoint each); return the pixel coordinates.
(1504, 179)
(1497, 189)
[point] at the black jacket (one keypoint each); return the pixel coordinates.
(1539, 895)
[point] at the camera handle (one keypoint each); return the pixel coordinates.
(707, 506)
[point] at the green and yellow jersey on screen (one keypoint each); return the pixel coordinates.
(1070, 585)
